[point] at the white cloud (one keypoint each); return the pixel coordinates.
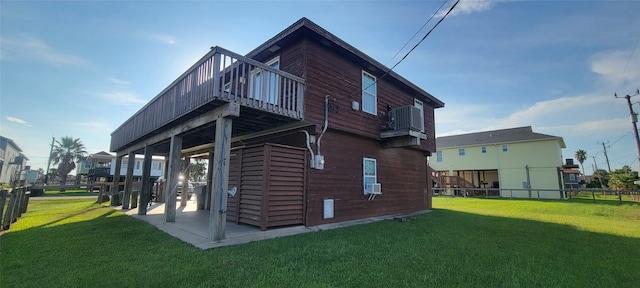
(119, 81)
(17, 120)
(469, 6)
(158, 37)
(617, 67)
(96, 126)
(32, 49)
(120, 98)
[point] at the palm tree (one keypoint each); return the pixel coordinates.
(581, 155)
(65, 154)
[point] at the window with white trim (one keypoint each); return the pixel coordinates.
(505, 148)
(462, 151)
(418, 104)
(264, 84)
(438, 156)
(369, 93)
(369, 173)
(484, 149)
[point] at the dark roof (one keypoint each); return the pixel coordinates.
(101, 154)
(306, 28)
(520, 134)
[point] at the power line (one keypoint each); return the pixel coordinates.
(414, 47)
(415, 34)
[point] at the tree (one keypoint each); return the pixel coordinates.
(197, 170)
(66, 152)
(581, 156)
(599, 179)
(622, 179)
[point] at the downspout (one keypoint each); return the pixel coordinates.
(317, 160)
(326, 123)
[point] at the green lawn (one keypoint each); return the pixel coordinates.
(462, 243)
(72, 192)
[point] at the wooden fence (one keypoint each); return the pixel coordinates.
(12, 210)
(593, 195)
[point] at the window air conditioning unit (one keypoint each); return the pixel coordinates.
(407, 117)
(376, 188)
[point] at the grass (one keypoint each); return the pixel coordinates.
(71, 192)
(462, 243)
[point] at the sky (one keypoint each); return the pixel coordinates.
(82, 68)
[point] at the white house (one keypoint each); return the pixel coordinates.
(518, 161)
(101, 166)
(11, 160)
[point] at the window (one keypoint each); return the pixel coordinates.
(369, 173)
(264, 84)
(462, 152)
(484, 149)
(572, 177)
(438, 156)
(419, 105)
(369, 93)
(505, 148)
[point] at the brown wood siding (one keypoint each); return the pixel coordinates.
(287, 169)
(401, 172)
(271, 182)
(234, 181)
(250, 196)
(331, 74)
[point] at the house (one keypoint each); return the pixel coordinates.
(571, 175)
(100, 167)
(31, 176)
(517, 161)
(12, 161)
(303, 130)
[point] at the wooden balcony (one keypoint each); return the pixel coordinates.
(219, 77)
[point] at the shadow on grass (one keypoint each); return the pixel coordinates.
(442, 248)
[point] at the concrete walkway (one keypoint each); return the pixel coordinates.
(192, 226)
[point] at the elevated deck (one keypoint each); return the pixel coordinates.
(267, 96)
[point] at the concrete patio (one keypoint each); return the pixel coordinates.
(192, 226)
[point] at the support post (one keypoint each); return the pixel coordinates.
(6, 222)
(3, 200)
(128, 182)
(116, 177)
(222, 151)
(145, 191)
(172, 178)
(185, 182)
(207, 198)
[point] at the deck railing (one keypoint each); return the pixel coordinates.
(219, 75)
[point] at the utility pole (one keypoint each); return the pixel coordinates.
(596, 171)
(606, 157)
(46, 176)
(634, 119)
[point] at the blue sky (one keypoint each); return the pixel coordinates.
(81, 68)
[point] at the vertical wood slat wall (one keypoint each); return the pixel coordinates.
(270, 181)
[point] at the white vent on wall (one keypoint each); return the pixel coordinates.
(407, 117)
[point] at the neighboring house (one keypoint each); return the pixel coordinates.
(100, 167)
(31, 176)
(571, 175)
(313, 132)
(509, 159)
(11, 160)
